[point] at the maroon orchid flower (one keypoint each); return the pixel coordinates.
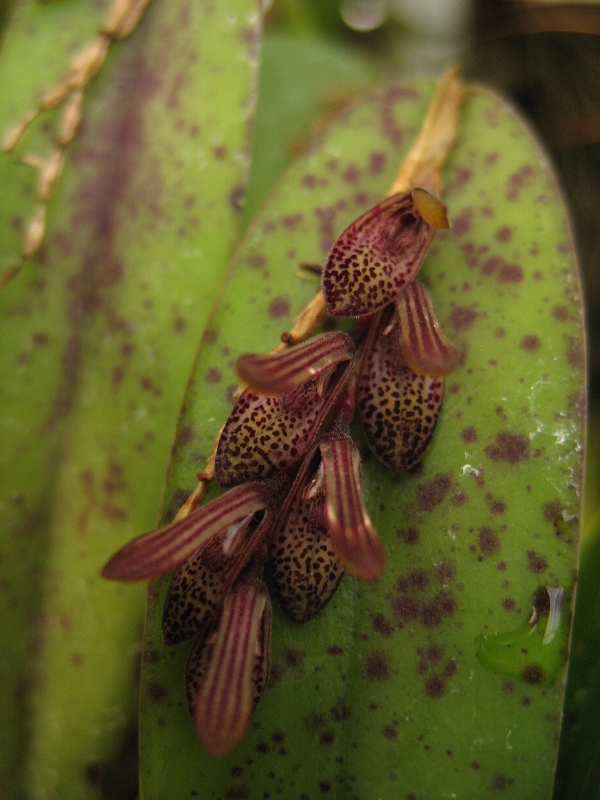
(273, 429)
(380, 253)
(304, 569)
(399, 408)
(217, 594)
(323, 529)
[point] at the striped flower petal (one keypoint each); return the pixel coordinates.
(269, 433)
(355, 540)
(227, 672)
(380, 253)
(422, 342)
(284, 372)
(399, 409)
(160, 551)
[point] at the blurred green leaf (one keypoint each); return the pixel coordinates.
(578, 769)
(383, 695)
(303, 84)
(98, 338)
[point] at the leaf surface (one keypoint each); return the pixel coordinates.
(98, 337)
(384, 695)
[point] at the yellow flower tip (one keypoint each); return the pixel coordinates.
(430, 207)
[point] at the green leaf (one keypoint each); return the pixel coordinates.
(98, 337)
(579, 751)
(384, 694)
(302, 81)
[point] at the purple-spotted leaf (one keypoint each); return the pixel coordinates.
(286, 371)
(383, 694)
(399, 409)
(99, 332)
(236, 657)
(157, 552)
(305, 571)
(377, 256)
(355, 540)
(422, 342)
(272, 432)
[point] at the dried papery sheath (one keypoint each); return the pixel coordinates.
(355, 540)
(265, 433)
(284, 372)
(227, 671)
(304, 568)
(431, 208)
(399, 409)
(422, 342)
(160, 551)
(198, 586)
(379, 254)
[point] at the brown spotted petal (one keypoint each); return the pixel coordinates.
(199, 585)
(268, 433)
(355, 540)
(162, 550)
(422, 341)
(380, 253)
(227, 670)
(399, 408)
(284, 372)
(196, 594)
(304, 568)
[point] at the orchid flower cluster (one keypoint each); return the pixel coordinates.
(293, 474)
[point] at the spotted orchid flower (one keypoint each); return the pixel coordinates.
(276, 419)
(323, 529)
(216, 594)
(380, 253)
(401, 381)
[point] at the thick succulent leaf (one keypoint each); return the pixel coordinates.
(398, 408)
(98, 336)
(579, 751)
(383, 694)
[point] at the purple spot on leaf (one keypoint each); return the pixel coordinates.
(279, 307)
